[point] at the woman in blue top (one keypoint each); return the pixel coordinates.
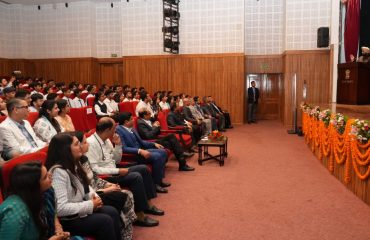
(22, 214)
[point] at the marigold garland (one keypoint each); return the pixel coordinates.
(327, 142)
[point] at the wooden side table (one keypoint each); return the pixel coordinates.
(204, 155)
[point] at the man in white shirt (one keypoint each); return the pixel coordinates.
(37, 87)
(17, 134)
(67, 96)
(112, 106)
(144, 104)
(77, 102)
(103, 158)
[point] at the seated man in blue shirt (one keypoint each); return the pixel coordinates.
(147, 152)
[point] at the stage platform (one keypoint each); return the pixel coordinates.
(352, 111)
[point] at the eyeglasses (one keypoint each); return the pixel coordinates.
(24, 107)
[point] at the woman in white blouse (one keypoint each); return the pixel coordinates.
(46, 125)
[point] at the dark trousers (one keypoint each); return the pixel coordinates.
(252, 108)
(221, 122)
(214, 123)
(140, 183)
(158, 158)
(227, 119)
(102, 224)
(170, 142)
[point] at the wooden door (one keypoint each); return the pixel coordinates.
(270, 86)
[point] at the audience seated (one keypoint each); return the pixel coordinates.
(100, 107)
(67, 96)
(198, 125)
(146, 152)
(86, 204)
(16, 132)
(175, 119)
(24, 95)
(63, 118)
(112, 106)
(199, 116)
(36, 102)
(37, 88)
(210, 110)
(204, 114)
(103, 158)
(80, 209)
(52, 96)
(163, 103)
(77, 102)
(46, 125)
(148, 130)
(28, 213)
(111, 194)
(3, 111)
(221, 112)
(128, 96)
(9, 93)
(145, 100)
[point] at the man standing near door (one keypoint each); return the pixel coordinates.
(253, 95)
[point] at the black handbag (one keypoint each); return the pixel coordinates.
(115, 199)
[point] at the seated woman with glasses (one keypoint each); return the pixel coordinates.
(80, 210)
(46, 125)
(25, 213)
(63, 118)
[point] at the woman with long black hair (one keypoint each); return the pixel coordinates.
(25, 213)
(46, 125)
(111, 194)
(80, 209)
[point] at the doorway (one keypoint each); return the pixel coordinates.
(271, 101)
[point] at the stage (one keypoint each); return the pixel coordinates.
(352, 111)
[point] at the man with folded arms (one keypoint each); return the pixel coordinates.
(17, 134)
(103, 158)
(148, 130)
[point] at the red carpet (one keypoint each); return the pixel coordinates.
(271, 187)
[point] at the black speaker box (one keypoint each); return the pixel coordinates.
(323, 37)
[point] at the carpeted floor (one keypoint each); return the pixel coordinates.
(271, 187)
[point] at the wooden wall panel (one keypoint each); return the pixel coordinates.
(312, 67)
(147, 72)
(7, 66)
(219, 75)
(67, 69)
(264, 63)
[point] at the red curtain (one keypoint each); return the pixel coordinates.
(352, 28)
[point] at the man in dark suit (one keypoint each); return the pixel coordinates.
(209, 109)
(147, 152)
(219, 110)
(175, 119)
(148, 130)
(253, 95)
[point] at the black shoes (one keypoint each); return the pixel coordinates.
(164, 184)
(160, 189)
(154, 211)
(146, 222)
(188, 154)
(186, 168)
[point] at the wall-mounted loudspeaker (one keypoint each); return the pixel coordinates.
(323, 37)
